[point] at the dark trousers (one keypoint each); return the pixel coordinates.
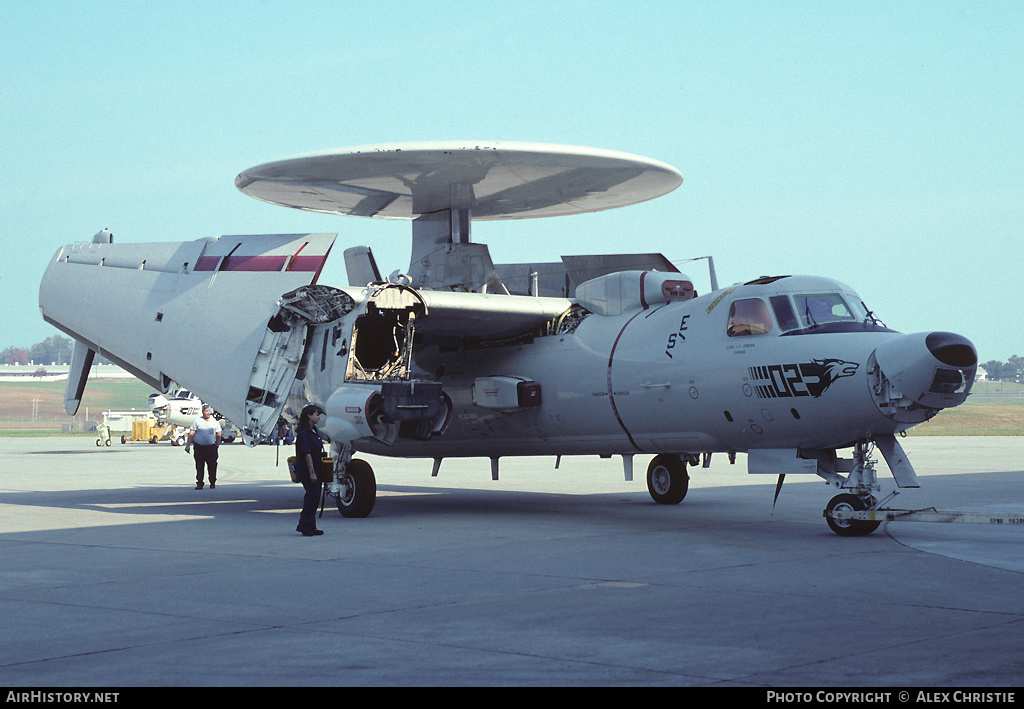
(310, 500)
(205, 455)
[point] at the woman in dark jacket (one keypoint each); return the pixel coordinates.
(309, 449)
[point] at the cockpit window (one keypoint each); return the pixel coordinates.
(749, 316)
(784, 313)
(821, 313)
(821, 308)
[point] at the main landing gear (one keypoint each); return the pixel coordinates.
(354, 487)
(667, 479)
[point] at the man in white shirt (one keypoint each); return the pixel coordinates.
(205, 433)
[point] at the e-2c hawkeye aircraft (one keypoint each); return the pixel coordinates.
(178, 409)
(596, 355)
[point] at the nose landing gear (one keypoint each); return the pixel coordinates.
(846, 503)
(860, 483)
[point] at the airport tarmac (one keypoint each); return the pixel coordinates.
(116, 572)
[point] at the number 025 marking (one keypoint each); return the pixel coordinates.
(678, 336)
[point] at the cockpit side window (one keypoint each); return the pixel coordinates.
(784, 313)
(821, 308)
(749, 316)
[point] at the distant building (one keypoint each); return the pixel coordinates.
(55, 372)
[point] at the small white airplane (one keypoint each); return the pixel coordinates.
(179, 409)
(456, 357)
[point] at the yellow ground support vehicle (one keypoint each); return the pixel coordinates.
(146, 430)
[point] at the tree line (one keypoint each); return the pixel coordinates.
(1012, 370)
(52, 350)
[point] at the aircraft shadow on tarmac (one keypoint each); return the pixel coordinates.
(746, 510)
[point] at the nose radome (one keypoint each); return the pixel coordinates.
(923, 371)
(951, 349)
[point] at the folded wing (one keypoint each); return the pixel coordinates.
(193, 312)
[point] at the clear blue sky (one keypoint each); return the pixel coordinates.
(880, 143)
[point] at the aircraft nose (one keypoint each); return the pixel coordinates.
(951, 349)
(922, 372)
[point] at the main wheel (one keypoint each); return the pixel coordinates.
(667, 480)
(849, 527)
(358, 491)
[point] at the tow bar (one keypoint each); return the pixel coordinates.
(929, 514)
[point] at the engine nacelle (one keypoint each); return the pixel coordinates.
(349, 414)
(387, 410)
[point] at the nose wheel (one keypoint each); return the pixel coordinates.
(847, 503)
(842, 512)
